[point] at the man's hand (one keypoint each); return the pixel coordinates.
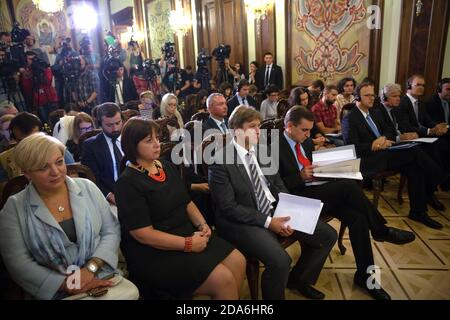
(378, 143)
(409, 136)
(307, 173)
(202, 187)
(277, 224)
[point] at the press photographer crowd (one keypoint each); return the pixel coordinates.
(113, 121)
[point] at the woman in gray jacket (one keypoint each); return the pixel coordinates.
(58, 237)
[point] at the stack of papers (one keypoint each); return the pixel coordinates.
(402, 146)
(423, 140)
(304, 212)
(340, 163)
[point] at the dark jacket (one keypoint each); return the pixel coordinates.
(276, 77)
(407, 120)
(234, 102)
(435, 109)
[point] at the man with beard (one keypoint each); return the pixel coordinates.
(103, 153)
(326, 115)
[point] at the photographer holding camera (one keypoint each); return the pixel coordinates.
(225, 72)
(9, 80)
(36, 82)
(172, 77)
(86, 88)
(63, 52)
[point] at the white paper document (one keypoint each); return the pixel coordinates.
(338, 163)
(304, 212)
(334, 135)
(423, 140)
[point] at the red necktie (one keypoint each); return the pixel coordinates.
(301, 158)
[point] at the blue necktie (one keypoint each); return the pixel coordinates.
(373, 126)
(224, 128)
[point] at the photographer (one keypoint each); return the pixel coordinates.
(63, 52)
(30, 43)
(148, 77)
(187, 79)
(36, 82)
(136, 59)
(225, 73)
(9, 80)
(87, 87)
(123, 90)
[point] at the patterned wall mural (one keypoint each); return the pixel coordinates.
(159, 30)
(329, 40)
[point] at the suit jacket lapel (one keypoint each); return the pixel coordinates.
(104, 148)
(79, 207)
(286, 151)
(241, 169)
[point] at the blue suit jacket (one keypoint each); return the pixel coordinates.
(96, 155)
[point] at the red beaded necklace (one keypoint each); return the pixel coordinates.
(158, 177)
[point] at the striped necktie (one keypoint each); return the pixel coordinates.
(263, 202)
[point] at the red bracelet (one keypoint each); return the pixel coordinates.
(188, 244)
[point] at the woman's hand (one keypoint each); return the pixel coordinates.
(87, 282)
(205, 229)
(202, 187)
(199, 242)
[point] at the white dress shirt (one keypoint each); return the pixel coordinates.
(119, 91)
(242, 153)
(111, 151)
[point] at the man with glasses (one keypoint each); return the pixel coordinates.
(269, 105)
(373, 142)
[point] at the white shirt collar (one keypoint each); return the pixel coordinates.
(218, 122)
(269, 65)
(365, 114)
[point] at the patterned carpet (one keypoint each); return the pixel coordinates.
(418, 270)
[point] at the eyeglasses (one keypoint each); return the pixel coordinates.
(86, 129)
(370, 95)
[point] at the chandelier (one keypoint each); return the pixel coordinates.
(258, 8)
(179, 22)
(49, 6)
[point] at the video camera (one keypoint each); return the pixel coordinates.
(170, 55)
(111, 61)
(151, 69)
(85, 44)
(221, 53)
(203, 58)
(38, 67)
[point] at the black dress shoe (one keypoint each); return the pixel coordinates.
(436, 204)
(426, 220)
(377, 294)
(397, 236)
(306, 290)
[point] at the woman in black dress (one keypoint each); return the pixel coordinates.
(167, 244)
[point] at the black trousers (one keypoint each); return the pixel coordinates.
(345, 200)
(264, 244)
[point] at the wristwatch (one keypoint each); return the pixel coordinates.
(92, 266)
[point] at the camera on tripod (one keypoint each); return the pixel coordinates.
(169, 53)
(221, 53)
(151, 69)
(203, 58)
(71, 69)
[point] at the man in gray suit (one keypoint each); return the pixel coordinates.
(245, 199)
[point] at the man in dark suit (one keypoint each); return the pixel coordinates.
(372, 140)
(438, 106)
(241, 98)
(342, 199)
(123, 91)
(245, 195)
(103, 152)
(390, 100)
(412, 116)
(270, 73)
(218, 110)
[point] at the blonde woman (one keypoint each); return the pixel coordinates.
(169, 103)
(58, 225)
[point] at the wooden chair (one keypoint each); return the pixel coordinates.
(11, 290)
(200, 116)
(164, 131)
(77, 170)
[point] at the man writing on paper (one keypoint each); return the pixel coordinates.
(372, 140)
(245, 199)
(342, 199)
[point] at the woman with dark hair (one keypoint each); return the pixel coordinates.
(168, 246)
(299, 96)
(252, 72)
(191, 106)
(226, 89)
(346, 86)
